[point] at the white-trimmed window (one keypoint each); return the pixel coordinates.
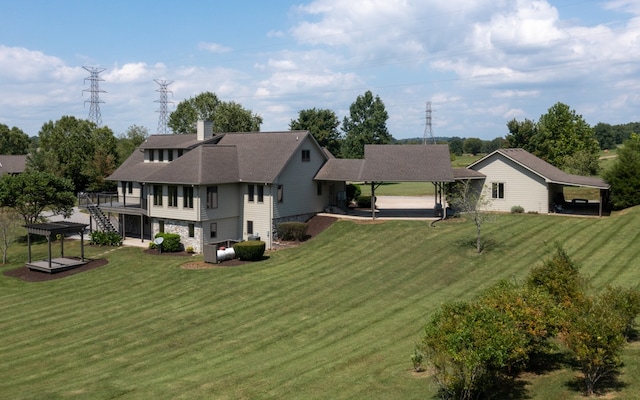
(252, 192)
(187, 197)
(497, 190)
(213, 230)
(249, 227)
(280, 193)
(157, 195)
(260, 193)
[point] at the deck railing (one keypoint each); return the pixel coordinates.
(111, 199)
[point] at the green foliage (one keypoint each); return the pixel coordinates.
(416, 359)
(77, 150)
(13, 141)
(366, 124)
(472, 146)
(130, 140)
(292, 230)
(33, 191)
(189, 249)
(250, 250)
(352, 192)
(560, 277)
(517, 210)
(363, 201)
(471, 346)
(623, 175)
(456, 146)
(626, 304)
(323, 125)
(521, 134)
(595, 337)
(171, 242)
(225, 116)
(561, 134)
(101, 238)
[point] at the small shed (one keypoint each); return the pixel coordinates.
(49, 229)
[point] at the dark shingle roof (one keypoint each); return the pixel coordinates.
(12, 164)
(466, 173)
(201, 166)
(547, 171)
(393, 163)
(337, 169)
(263, 155)
(250, 157)
(407, 163)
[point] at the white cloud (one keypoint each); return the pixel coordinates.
(214, 47)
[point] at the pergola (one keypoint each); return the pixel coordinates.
(49, 229)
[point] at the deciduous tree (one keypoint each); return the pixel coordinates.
(31, 192)
(13, 141)
(561, 134)
(366, 124)
(623, 176)
(10, 222)
(323, 125)
(226, 116)
(471, 200)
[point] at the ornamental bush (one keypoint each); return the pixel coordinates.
(292, 230)
(250, 250)
(517, 210)
(102, 238)
(364, 201)
(352, 192)
(171, 243)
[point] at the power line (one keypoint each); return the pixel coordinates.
(94, 108)
(163, 118)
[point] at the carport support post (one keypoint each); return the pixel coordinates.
(373, 202)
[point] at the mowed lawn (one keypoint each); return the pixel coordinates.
(336, 318)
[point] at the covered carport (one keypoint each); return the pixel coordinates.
(395, 163)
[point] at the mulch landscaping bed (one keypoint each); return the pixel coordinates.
(28, 275)
(315, 226)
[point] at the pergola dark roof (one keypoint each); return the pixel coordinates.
(49, 229)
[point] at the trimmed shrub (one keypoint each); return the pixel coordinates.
(171, 243)
(352, 192)
(101, 238)
(250, 250)
(364, 201)
(517, 210)
(292, 230)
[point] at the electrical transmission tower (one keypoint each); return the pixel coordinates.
(94, 109)
(163, 119)
(428, 128)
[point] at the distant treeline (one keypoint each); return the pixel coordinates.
(607, 135)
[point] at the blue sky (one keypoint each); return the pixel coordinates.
(479, 63)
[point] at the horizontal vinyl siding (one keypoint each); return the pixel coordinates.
(179, 212)
(259, 213)
(228, 202)
(299, 187)
(227, 229)
(521, 186)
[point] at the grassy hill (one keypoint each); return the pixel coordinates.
(335, 318)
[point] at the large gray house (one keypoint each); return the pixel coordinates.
(209, 188)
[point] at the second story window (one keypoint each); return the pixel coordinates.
(157, 195)
(151, 155)
(212, 197)
(170, 155)
(251, 194)
(161, 155)
(306, 155)
(260, 194)
(187, 197)
(172, 191)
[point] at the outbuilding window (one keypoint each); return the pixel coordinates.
(497, 190)
(306, 155)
